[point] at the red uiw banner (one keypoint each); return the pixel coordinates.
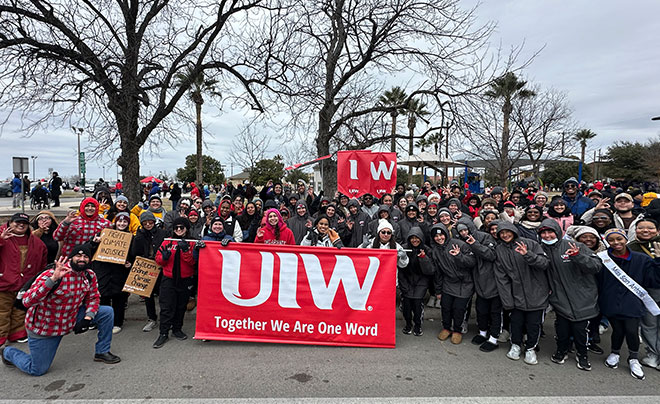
(299, 295)
(360, 172)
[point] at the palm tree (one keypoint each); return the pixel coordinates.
(432, 140)
(508, 87)
(198, 86)
(391, 98)
(583, 136)
(416, 109)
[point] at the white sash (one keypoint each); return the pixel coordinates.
(629, 283)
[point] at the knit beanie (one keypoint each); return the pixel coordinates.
(384, 224)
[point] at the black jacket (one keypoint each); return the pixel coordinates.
(453, 274)
(484, 272)
(414, 279)
(572, 279)
(522, 282)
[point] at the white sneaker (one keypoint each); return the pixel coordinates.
(602, 329)
(438, 304)
(650, 360)
(504, 336)
(431, 302)
(149, 326)
(116, 330)
(612, 361)
(530, 357)
(514, 352)
(636, 370)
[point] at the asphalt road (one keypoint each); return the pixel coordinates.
(418, 367)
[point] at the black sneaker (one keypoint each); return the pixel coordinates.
(583, 362)
(559, 357)
(180, 335)
(479, 339)
(162, 339)
(107, 357)
(595, 349)
(407, 330)
(418, 332)
(488, 347)
(7, 362)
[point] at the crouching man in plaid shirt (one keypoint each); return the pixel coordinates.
(60, 300)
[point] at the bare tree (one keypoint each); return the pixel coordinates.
(111, 65)
(343, 49)
(540, 121)
(248, 148)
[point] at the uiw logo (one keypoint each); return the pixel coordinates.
(323, 294)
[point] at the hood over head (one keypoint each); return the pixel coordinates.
(551, 225)
(440, 228)
(417, 232)
(84, 203)
(505, 225)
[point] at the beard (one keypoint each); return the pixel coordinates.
(79, 266)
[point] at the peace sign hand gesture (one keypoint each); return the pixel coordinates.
(455, 250)
(573, 250)
(521, 248)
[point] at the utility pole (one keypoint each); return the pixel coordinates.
(34, 171)
(79, 131)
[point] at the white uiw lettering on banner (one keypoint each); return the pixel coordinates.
(376, 172)
(323, 294)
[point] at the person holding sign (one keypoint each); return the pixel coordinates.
(178, 263)
(78, 228)
(147, 241)
(112, 276)
(626, 271)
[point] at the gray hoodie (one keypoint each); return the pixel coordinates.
(484, 272)
(521, 279)
(572, 278)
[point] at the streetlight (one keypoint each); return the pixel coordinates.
(79, 132)
(34, 171)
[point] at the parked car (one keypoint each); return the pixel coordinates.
(5, 189)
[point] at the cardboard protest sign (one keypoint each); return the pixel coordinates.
(114, 246)
(142, 278)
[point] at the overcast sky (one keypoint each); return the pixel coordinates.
(603, 54)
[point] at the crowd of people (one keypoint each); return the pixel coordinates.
(512, 256)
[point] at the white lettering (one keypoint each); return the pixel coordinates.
(382, 170)
(288, 280)
(344, 272)
(231, 268)
(353, 169)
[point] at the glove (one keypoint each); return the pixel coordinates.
(225, 242)
(165, 253)
(200, 244)
(81, 326)
(332, 235)
(183, 245)
(400, 253)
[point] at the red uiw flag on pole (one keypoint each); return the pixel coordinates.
(294, 294)
(362, 171)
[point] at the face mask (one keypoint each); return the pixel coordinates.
(549, 242)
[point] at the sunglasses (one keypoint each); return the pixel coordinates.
(571, 186)
(179, 227)
(385, 232)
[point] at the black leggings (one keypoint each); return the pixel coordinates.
(118, 303)
(489, 315)
(454, 310)
(628, 328)
(413, 311)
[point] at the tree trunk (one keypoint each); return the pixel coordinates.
(584, 147)
(504, 152)
(411, 132)
(329, 167)
(129, 161)
(199, 177)
(393, 142)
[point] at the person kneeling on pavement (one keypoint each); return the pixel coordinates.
(62, 299)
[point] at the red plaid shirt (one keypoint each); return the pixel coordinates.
(80, 230)
(53, 314)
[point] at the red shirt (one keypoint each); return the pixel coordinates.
(54, 314)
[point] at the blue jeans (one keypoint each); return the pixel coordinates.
(43, 350)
